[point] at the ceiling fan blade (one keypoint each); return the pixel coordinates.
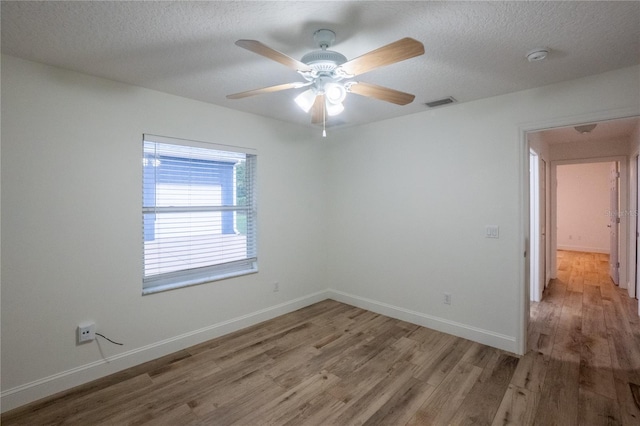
(317, 110)
(397, 51)
(264, 50)
(267, 90)
(382, 93)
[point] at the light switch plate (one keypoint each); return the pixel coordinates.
(492, 231)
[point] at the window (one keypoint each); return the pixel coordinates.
(198, 212)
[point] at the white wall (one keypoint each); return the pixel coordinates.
(71, 227)
(398, 210)
(583, 207)
(440, 177)
(591, 149)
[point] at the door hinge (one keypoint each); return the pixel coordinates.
(617, 264)
(617, 220)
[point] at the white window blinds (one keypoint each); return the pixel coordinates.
(198, 214)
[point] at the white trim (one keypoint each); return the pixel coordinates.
(41, 388)
(523, 290)
(633, 284)
(486, 337)
(200, 144)
(535, 292)
(48, 386)
(570, 121)
(604, 250)
(633, 222)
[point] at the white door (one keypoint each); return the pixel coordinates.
(543, 224)
(613, 223)
(535, 291)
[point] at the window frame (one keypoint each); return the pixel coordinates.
(202, 274)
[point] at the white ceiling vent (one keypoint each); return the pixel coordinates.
(440, 102)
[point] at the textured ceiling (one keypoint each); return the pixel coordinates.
(473, 49)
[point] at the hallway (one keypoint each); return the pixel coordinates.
(584, 341)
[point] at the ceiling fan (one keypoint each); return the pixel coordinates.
(328, 74)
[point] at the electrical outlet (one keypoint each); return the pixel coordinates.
(447, 298)
(86, 332)
(276, 286)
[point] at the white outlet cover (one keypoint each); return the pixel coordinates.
(86, 332)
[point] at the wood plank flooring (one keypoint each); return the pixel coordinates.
(585, 335)
(334, 364)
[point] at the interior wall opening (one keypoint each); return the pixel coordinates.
(611, 141)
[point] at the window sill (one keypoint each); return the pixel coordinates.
(196, 281)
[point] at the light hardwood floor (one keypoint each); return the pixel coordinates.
(332, 363)
(585, 335)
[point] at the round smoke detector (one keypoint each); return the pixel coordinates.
(537, 54)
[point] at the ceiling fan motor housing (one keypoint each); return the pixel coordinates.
(324, 60)
(324, 38)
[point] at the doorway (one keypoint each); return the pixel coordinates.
(594, 219)
(587, 211)
(615, 139)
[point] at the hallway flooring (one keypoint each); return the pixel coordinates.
(584, 338)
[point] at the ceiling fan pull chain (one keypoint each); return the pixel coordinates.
(324, 119)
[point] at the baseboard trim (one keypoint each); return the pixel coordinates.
(51, 385)
(584, 249)
(486, 337)
(48, 386)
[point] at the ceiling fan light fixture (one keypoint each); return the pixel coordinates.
(585, 128)
(334, 108)
(305, 100)
(335, 92)
(324, 71)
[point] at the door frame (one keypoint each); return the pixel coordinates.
(534, 216)
(634, 198)
(634, 290)
(538, 268)
(615, 204)
(623, 202)
(522, 250)
(545, 202)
